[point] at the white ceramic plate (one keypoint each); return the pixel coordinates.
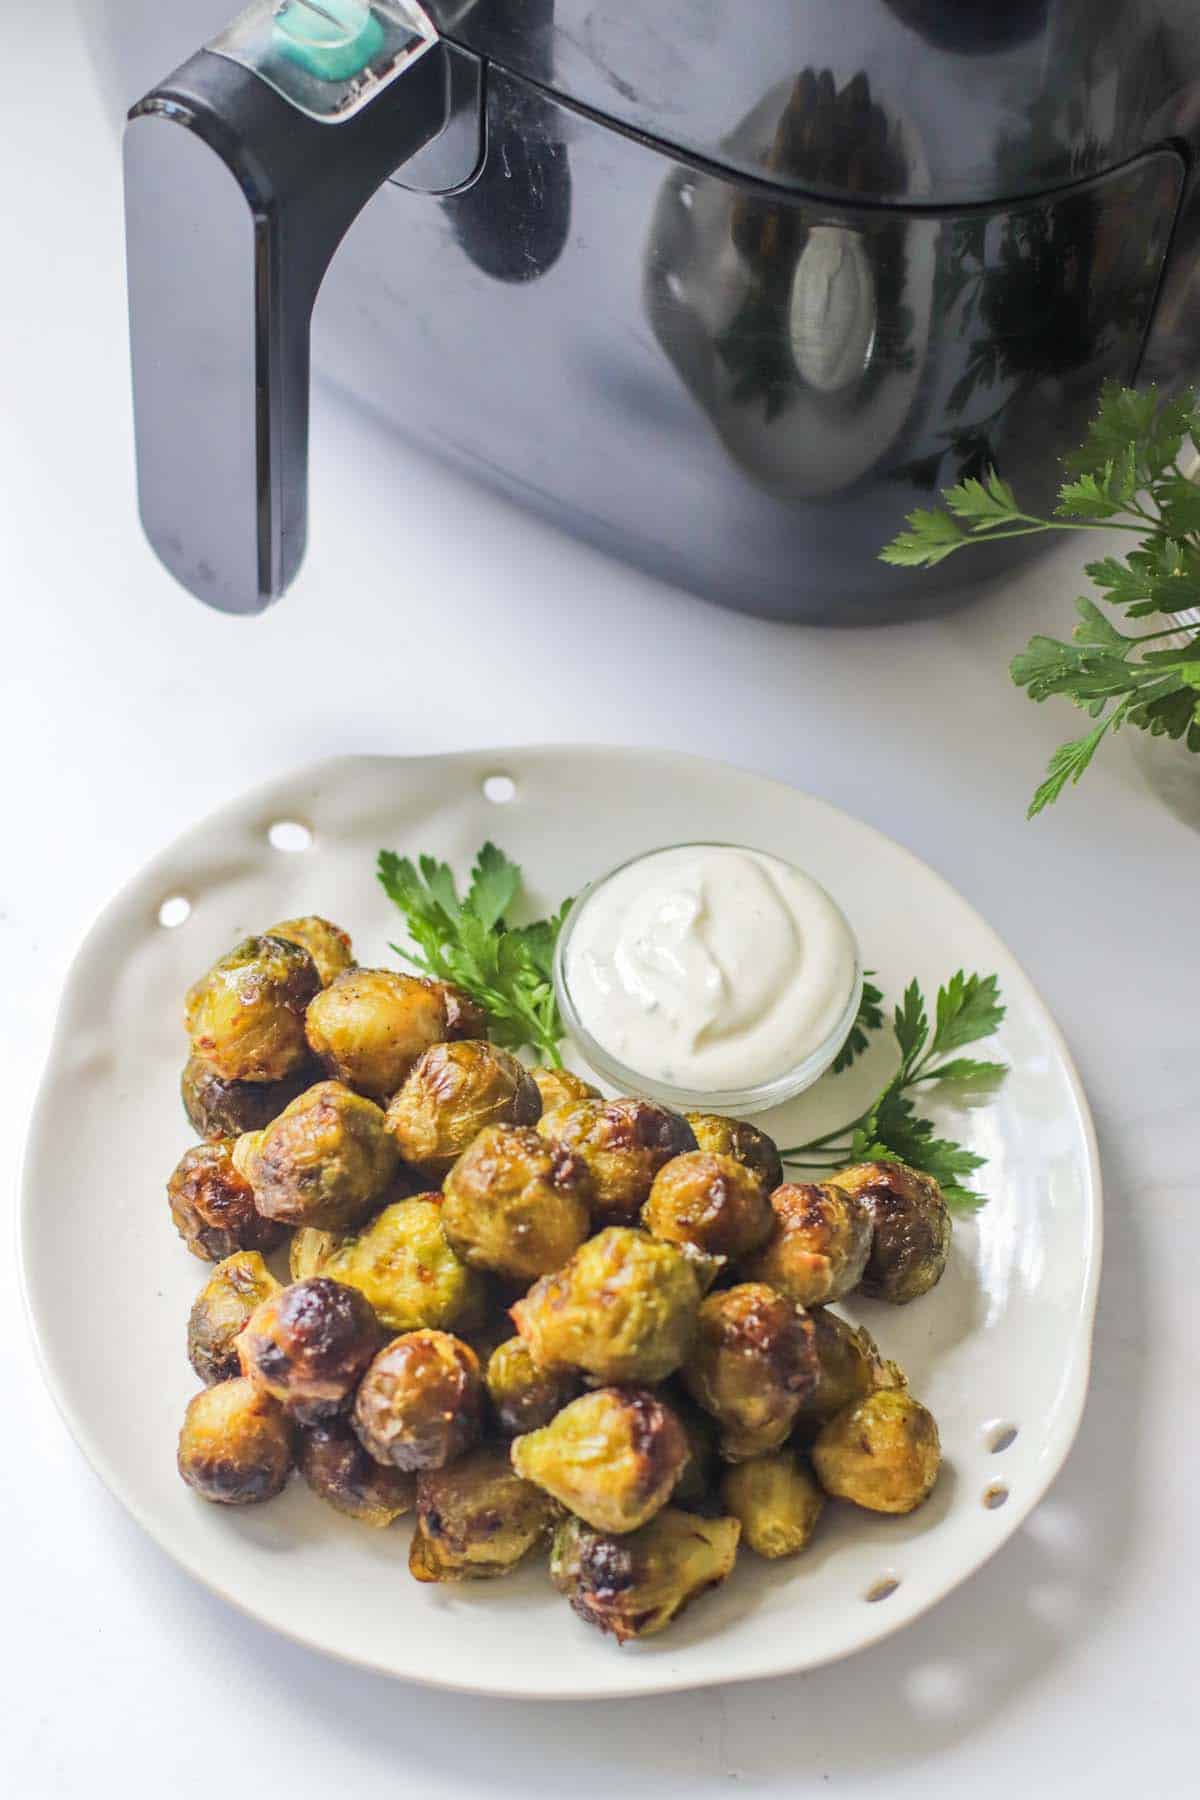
(1003, 1342)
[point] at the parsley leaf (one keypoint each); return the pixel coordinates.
(510, 972)
(1126, 476)
(868, 1018)
(968, 1008)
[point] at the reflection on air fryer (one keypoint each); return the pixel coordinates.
(805, 329)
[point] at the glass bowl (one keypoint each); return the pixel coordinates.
(755, 1098)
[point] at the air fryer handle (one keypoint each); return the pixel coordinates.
(236, 200)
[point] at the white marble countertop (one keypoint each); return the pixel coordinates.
(1068, 1664)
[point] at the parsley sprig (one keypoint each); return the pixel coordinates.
(1127, 476)
(509, 970)
(869, 1018)
(968, 1008)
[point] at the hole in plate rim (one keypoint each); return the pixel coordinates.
(1000, 1435)
(881, 1589)
(995, 1495)
(499, 788)
(175, 911)
(290, 836)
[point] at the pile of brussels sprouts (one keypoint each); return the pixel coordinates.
(675, 1383)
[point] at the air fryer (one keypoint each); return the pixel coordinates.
(725, 290)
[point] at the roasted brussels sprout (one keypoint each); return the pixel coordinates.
(560, 1087)
(310, 1250)
(234, 1290)
(325, 1161)
(407, 1270)
(819, 1246)
(246, 1016)
(751, 1364)
(328, 945)
(612, 1457)
(775, 1500)
(516, 1203)
(369, 1026)
(882, 1452)
(741, 1140)
(523, 1396)
(911, 1237)
(633, 1586)
(465, 1018)
(309, 1345)
(477, 1519)
(623, 1309)
(452, 1093)
(336, 1467)
(420, 1403)
(213, 1205)
(698, 1480)
(624, 1144)
(225, 1109)
(491, 1329)
(849, 1367)
(711, 1201)
(236, 1444)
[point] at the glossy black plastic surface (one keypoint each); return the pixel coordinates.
(650, 382)
(235, 203)
(980, 99)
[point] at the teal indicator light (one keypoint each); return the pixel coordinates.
(333, 40)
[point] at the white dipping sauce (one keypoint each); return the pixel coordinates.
(709, 967)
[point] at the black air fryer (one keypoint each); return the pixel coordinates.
(725, 288)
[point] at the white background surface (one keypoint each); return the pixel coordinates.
(1068, 1665)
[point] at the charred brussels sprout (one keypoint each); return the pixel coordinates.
(523, 1396)
(420, 1403)
(225, 1109)
(612, 1457)
(328, 945)
(849, 1367)
(623, 1309)
(310, 1250)
(882, 1452)
(911, 1237)
(452, 1093)
(516, 1204)
(559, 1087)
(213, 1205)
(236, 1444)
(741, 1140)
(819, 1246)
(775, 1500)
(309, 1345)
(325, 1161)
(246, 1016)
(407, 1270)
(750, 1366)
(477, 1519)
(338, 1469)
(369, 1026)
(234, 1290)
(624, 1144)
(711, 1201)
(633, 1586)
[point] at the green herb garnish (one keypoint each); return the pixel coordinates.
(868, 1019)
(509, 970)
(1126, 477)
(968, 1009)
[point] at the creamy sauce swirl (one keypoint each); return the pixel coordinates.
(710, 967)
